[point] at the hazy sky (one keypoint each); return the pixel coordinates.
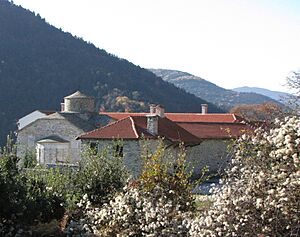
(228, 42)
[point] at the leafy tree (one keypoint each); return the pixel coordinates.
(100, 174)
(259, 112)
(23, 201)
(155, 204)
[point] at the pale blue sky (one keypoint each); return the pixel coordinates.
(229, 42)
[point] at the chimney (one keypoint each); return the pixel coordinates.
(204, 108)
(62, 106)
(152, 124)
(152, 109)
(160, 111)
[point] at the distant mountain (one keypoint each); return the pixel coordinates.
(225, 99)
(276, 95)
(40, 64)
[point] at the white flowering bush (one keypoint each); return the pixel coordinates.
(137, 213)
(157, 204)
(260, 195)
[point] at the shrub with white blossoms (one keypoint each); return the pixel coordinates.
(260, 195)
(157, 204)
(137, 213)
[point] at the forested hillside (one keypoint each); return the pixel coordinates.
(223, 98)
(40, 64)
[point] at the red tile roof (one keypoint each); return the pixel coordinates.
(190, 128)
(123, 128)
(184, 117)
(216, 130)
(135, 127)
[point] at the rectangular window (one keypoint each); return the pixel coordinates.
(119, 150)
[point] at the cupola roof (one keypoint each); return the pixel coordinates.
(77, 94)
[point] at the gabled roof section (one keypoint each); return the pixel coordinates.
(184, 117)
(167, 129)
(121, 115)
(135, 127)
(217, 130)
(73, 118)
(121, 129)
(203, 118)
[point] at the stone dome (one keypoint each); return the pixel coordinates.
(79, 102)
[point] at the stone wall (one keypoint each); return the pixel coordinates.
(131, 152)
(29, 118)
(211, 153)
(80, 105)
(53, 153)
(41, 128)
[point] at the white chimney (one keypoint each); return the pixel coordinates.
(152, 124)
(152, 108)
(160, 111)
(204, 108)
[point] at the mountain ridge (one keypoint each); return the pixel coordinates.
(224, 98)
(276, 95)
(40, 64)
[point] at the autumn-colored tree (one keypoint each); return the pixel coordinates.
(258, 112)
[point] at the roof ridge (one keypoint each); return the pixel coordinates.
(235, 119)
(133, 127)
(105, 112)
(108, 125)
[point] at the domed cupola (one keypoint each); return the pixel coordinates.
(78, 102)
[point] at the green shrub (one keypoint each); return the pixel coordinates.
(170, 173)
(156, 204)
(100, 174)
(23, 201)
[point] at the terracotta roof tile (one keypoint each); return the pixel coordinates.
(184, 117)
(167, 129)
(186, 127)
(123, 129)
(216, 130)
(135, 127)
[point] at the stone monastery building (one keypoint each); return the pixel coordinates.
(52, 135)
(57, 137)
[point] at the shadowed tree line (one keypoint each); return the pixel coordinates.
(40, 64)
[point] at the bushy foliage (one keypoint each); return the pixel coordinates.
(261, 191)
(58, 182)
(156, 204)
(40, 194)
(13, 189)
(100, 174)
(23, 201)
